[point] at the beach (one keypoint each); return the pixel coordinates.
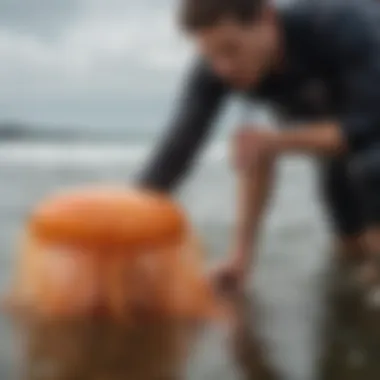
(291, 257)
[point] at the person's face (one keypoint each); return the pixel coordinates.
(240, 53)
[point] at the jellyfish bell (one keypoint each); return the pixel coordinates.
(126, 254)
(110, 216)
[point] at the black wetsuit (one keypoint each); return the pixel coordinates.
(332, 70)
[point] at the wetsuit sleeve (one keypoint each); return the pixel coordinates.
(173, 156)
(352, 43)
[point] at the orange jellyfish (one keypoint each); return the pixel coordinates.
(120, 253)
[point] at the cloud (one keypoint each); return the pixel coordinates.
(107, 57)
(44, 18)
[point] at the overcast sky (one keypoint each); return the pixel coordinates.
(94, 63)
(90, 63)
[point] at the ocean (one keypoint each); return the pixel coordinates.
(287, 280)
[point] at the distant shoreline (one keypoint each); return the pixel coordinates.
(56, 137)
(83, 139)
(12, 133)
(30, 133)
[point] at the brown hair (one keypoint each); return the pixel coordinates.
(199, 14)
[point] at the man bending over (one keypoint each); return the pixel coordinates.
(320, 62)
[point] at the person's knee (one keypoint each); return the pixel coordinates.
(365, 170)
(351, 247)
(341, 201)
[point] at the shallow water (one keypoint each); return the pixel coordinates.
(281, 333)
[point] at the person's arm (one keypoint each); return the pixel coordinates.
(350, 40)
(171, 160)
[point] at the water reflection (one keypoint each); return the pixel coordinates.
(94, 350)
(352, 339)
(246, 345)
(98, 350)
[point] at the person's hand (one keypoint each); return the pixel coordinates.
(252, 146)
(230, 276)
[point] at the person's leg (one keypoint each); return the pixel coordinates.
(365, 174)
(343, 209)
